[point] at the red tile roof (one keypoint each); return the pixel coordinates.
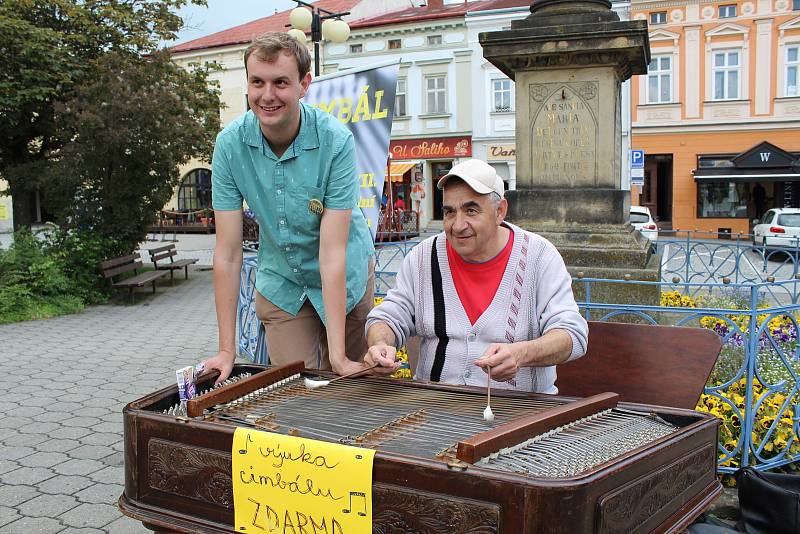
(505, 4)
(245, 33)
(279, 21)
(415, 14)
(433, 12)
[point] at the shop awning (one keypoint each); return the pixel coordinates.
(397, 170)
(745, 175)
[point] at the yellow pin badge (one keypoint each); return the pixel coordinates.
(315, 206)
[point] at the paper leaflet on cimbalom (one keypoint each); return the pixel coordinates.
(290, 484)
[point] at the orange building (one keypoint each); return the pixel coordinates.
(718, 113)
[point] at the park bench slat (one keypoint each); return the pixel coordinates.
(114, 271)
(164, 252)
(114, 267)
(140, 279)
(122, 260)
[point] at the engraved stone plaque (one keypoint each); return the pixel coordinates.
(563, 129)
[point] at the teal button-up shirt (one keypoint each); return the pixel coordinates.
(320, 164)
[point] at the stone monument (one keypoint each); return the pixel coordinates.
(568, 60)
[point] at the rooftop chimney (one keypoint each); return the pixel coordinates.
(435, 4)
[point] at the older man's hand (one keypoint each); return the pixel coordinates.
(385, 356)
(505, 359)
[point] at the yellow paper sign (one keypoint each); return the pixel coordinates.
(288, 484)
(3, 212)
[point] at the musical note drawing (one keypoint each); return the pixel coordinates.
(246, 442)
(363, 502)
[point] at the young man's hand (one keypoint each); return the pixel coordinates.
(222, 362)
(346, 366)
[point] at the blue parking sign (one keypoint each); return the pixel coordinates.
(637, 159)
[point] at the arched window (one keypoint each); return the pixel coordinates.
(195, 191)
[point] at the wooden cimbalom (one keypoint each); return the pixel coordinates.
(546, 464)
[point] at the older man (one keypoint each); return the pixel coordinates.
(490, 295)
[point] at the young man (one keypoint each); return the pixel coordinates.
(294, 165)
(486, 294)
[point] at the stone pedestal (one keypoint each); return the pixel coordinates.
(569, 59)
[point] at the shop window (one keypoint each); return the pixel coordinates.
(725, 69)
(400, 98)
(395, 44)
(723, 199)
(792, 66)
(502, 95)
(436, 94)
(727, 11)
(434, 40)
(659, 80)
(714, 161)
(659, 17)
(195, 191)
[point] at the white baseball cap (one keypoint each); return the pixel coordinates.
(477, 174)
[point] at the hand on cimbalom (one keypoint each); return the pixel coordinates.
(386, 358)
(346, 366)
(503, 358)
(222, 362)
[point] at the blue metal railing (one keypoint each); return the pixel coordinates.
(719, 273)
(694, 257)
(752, 352)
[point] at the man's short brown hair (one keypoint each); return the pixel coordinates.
(266, 47)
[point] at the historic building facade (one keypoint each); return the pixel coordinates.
(437, 100)
(718, 112)
(451, 103)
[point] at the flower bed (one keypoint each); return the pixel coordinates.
(767, 408)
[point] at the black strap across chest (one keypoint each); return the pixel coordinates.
(439, 323)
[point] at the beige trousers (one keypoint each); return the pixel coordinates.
(303, 336)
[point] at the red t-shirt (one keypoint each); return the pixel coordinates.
(476, 283)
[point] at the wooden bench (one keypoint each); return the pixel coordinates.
(661, 365)
(646, 364)
(111, 269)
(168, 252)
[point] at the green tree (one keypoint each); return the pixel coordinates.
(93, 115)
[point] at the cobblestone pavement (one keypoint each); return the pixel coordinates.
(66, 381)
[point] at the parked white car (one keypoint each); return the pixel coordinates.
(779, 227)
(642, 220)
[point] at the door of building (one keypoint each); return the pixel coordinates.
(438, 169)
(657, 189)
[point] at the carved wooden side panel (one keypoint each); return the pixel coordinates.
(194, 472)
(629, 507)
(397, 510)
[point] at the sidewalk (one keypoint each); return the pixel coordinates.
(66, 382)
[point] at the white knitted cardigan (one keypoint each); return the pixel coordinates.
(534, 296)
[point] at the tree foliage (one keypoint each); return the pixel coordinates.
(94, 115)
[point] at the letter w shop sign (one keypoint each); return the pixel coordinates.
(289, 484)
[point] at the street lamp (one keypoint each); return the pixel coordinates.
(322, 23)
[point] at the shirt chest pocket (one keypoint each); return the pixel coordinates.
(305, 208)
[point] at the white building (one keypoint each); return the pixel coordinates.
(438, 101)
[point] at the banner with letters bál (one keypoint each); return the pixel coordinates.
(363, 100)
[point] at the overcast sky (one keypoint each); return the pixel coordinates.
(224, 14)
